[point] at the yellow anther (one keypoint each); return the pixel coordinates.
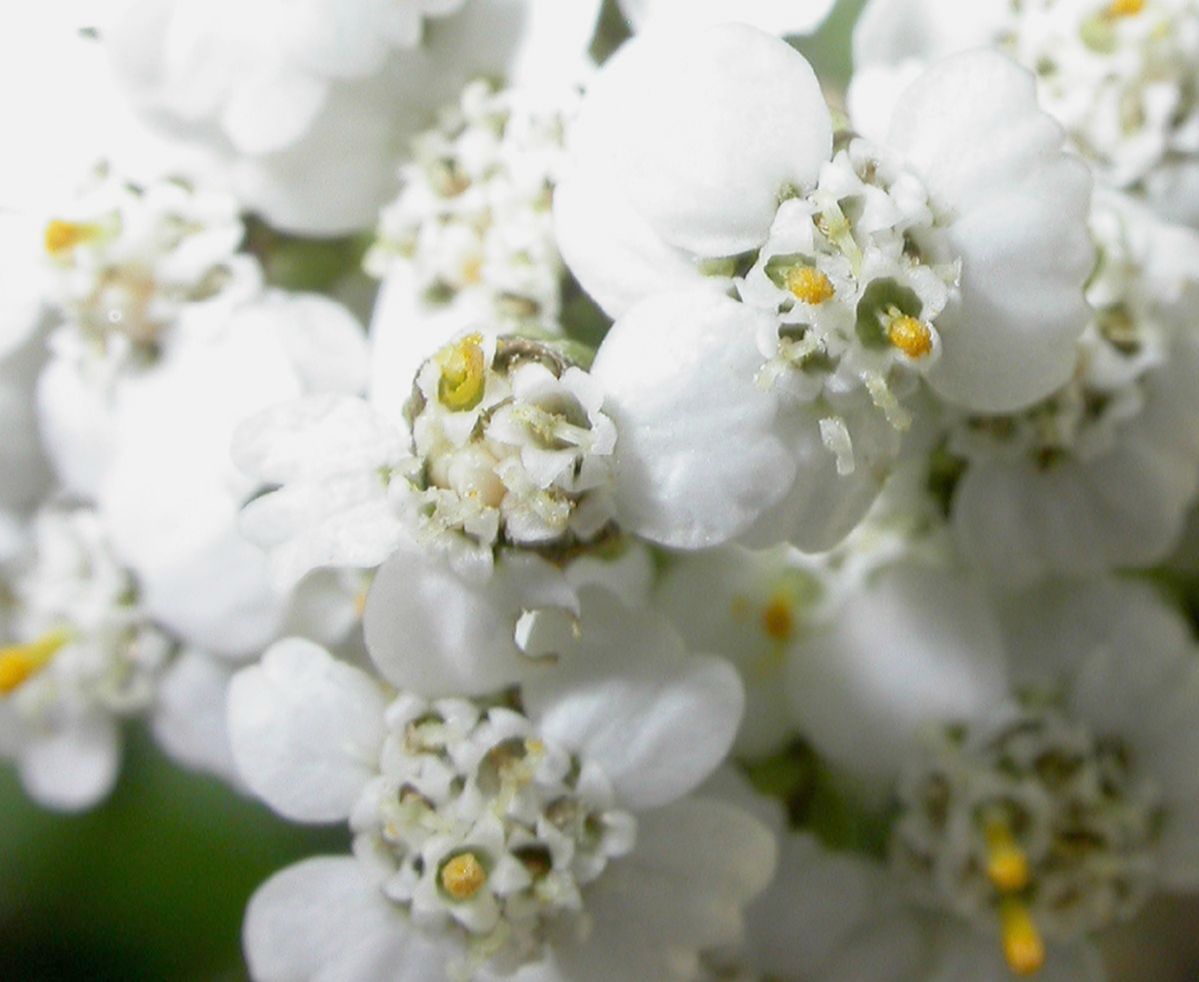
(360, 604)
(1125, 8)
(809, 285)
(463, 876)
(778, 618)
(463, 373)
(21, 662)
(62, 237)
(1007, 866)
(1022, 944)
(911, 336)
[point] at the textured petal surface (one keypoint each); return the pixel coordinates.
(306, 731)
(622, 692)
(698, 456)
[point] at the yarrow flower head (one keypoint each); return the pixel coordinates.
(812, 282)
(1120, 75)
(506, 445)
(535, 827)
(81, 656)
(127, 262)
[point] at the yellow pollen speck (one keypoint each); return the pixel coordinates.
(778, 618)
(1007, 866)
(61, 237)
(463, 876)
(810, 285)
(1022, 944)
(911, 336)
(21, 662)
(360, 604)
(1125, 8)
(463, 373)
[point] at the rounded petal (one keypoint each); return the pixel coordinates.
(701, 130)
(189, 721)
(889, 32)
(698, 456)
(916, 645)
(971, 128)
(622, 692)
(323, 919)
(306, 731)
(432, 632)
(71, 768)
(781, 17)
(615, 253)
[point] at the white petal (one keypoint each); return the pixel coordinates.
(72, 768)
(916, 645)
(889, 32)
(189, 721)
(623, 693)
(433, 633)
(306, 731)
(703, 129)
(696, 865)
(323, 919)
(971, 128)
(270, 110)
(615, 253)
(781, 17)
(698, 457)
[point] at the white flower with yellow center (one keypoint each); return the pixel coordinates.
(779, 297)
(1041, 753)
(308, 105)
(507, 447)
(547, 827)
(80, 655)
(1099, 475)
(1120, 75)
(124, 265)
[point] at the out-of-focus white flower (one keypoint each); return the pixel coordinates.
(171, 496)
(703, 163)
(1119, 75)
(80, 655)
(311, 104)
(123, 265)
(782, 17)
(546, 827)
(1099, 475)
(1043, 759)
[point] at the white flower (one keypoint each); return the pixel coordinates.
(171, 497)
(474, 214)
(123, 265)
(956, 252)
(547, 826)
(507, 447)
(1098, 476)
(1043, 760)
(1119, 75)
(80, 655)
(309, 104)
(782, 17)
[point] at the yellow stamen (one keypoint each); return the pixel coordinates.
(778, 618)
(1007, 866)
(463, 373)
(463, 876)
(360, 605)
(809, 285)
(911, 336)
(62, 237)
(21, 662)
(1022, 944)
(1125, 8)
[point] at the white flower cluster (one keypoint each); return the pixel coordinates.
(721, 538)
